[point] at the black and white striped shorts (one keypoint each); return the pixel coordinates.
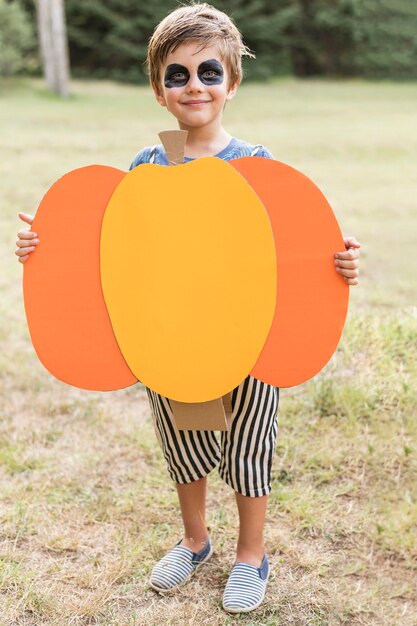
(245, 451)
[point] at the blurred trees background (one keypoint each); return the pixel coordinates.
(108, 39)
(17, 39)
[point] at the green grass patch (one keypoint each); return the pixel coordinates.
(87, 506)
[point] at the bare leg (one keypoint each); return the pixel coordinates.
(192, 497)
(251, 545)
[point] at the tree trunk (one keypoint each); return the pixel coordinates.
(45, 41)
(53, 44)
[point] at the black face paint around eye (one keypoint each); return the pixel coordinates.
(176, 75)
(211, 72)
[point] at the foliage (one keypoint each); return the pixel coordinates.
(322, 36)
(373, 38)
(386, 39)
(16, 38)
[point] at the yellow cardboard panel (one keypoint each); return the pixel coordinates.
(188, 269)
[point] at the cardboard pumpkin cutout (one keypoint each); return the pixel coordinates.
(186, 278)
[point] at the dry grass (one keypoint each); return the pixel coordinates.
(86, 506)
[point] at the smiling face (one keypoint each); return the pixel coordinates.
(194, 85)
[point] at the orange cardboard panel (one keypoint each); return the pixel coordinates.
(192, 301)
(66, 313)
(312, 299)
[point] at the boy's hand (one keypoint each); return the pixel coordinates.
(347, 262)
(27, 241)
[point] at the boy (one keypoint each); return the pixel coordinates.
(194, 63)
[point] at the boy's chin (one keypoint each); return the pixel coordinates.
(186, 124)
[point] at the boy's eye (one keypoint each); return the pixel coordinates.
(211, 72)
(176, 75)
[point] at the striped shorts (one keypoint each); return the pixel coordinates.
(244, 452)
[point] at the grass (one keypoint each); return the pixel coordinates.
(86, 506)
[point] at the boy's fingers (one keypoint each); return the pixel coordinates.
(348, 264)
(348, 273)
(351, 241)
(23, 243)
(26, 234)
(25, 217)
(24, 251)
(22, 259)
(348, 255)
(351, 281)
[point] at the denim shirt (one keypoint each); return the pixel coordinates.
(236, 148)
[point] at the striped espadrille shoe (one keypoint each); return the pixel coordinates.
(246, 587)
(177, 566)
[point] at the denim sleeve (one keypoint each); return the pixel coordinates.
(264, 152)
(141, 157)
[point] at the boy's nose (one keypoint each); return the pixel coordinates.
(194, 83)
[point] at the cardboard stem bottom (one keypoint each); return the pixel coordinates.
(212, 415)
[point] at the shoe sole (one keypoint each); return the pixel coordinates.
(249, 608)
(162, 590)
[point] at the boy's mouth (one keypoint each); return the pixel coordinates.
(195, 102)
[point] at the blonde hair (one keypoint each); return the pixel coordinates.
(201, 23)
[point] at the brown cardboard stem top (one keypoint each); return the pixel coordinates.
(174, 145)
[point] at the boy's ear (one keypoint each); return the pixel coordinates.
(232, 90)
(159, 95)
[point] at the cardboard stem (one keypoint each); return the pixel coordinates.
(211, 415)
(174, 145)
